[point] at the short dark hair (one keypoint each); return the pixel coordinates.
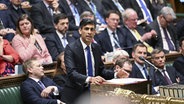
(138, 45)
(180, 41)
(110, 12)
(86, 21)
(156, 51)
(59, 16)
(120, 62)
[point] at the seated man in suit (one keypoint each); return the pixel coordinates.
(112, 38)
(165, 75)
(37, 88)
(166, 32)
(57, 41)
(83, 64)
(136, 34)
(179, 62)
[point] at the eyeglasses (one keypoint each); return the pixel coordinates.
(167, 20)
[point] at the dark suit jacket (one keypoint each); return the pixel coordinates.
(104, 41)
(15, 14)
(158, 41)
(136, 73)
(131, 40)
(179, 64)
(60, 80)
(65, 8)
(173, 74)
(97, 3)
(76, 70)
(55, 45)
(31, 90)
(42, 19)
(6, 23)
(135, 6)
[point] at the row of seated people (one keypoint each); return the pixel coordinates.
(123, 38)
(61, 77)
(42, 15)
(82, 59)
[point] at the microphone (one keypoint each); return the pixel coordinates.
(149, 63)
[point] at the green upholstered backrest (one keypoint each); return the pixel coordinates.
(10, 95)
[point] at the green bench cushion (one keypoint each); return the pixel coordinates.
(10, 95)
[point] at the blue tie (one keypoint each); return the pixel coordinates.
(145, 72)
(146, 11)
(90, 68)
(97, 14)
(170, 45)
(41, 84)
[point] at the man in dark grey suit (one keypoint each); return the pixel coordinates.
(165, 75)
(57, 41)
(84, 64)
(166, 32)
(37, 88)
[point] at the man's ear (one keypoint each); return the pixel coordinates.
(79, 30)
(29, 70)
(133, 54)
(117, 67)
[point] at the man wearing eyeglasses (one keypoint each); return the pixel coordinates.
(112, 38)
(83, 64)
(166, 32)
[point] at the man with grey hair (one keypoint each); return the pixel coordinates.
(166, 32)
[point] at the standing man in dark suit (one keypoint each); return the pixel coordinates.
(57, 41)
(96, 7)
(42, 16)
(136, 34)
(179, 62)
(166, 32)
(144, 9)
(112, 38)
(165, 75)
(73, 10)
(37, 88)
(84, 64)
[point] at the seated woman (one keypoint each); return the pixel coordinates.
(60, 72)
(28, 43)
(8, 58)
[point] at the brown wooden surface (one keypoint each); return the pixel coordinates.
(143, 87)
(16, 80)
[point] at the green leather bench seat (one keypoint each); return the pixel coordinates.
(10, 95)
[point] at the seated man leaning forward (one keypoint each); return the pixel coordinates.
(37, 88)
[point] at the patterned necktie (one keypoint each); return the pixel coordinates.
(89, 59)
(144, 7)
(116, 41)
(120, 8)
(166, 77)
(170, 45)
(64, 41)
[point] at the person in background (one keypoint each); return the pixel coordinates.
(166, 31)
(37, 88)
(29, 44)
(136, 34)
(57, 41)
(123, 64)
(60, 72)
(120, 54)
(8, 58)
(164, 75)
(179, 62)
(112, 38)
